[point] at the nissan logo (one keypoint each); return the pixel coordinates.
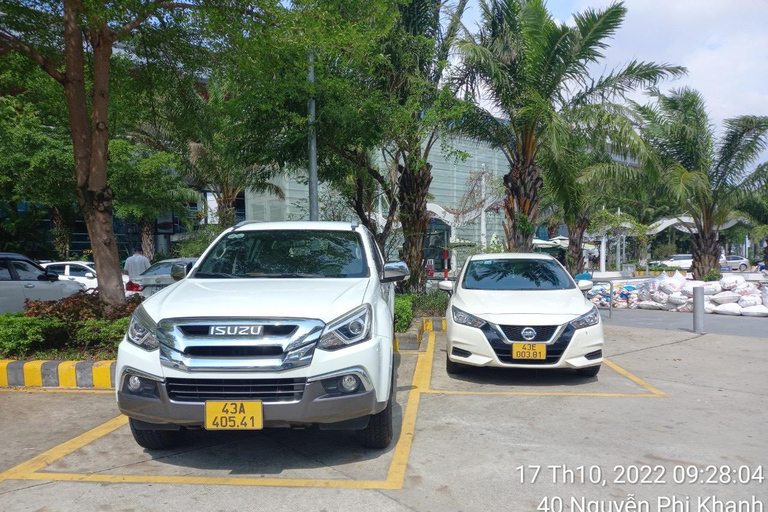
(528, 333)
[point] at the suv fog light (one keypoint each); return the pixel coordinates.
(134, 383)
(349, 383)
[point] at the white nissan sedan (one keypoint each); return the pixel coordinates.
(521, 311)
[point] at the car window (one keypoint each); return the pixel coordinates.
(78, 270)
(286, 253)
(378, 260)
(26, 271)
(56, 269)
(160, 268)
(5, 272)
(517, 274)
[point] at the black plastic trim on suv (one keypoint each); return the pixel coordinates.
(266, 390)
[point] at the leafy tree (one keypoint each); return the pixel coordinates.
(536, 73)
(74, 42)
(756, 208)
(147, 184)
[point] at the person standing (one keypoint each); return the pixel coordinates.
(136, 264)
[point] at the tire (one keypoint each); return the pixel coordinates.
(742, 268)
(158, 439)
(590, 371)
(378, 434)
(453, 368)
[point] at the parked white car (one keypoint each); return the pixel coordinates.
(734, 262)
(521, 311)
(158, 276)
(277, 325)
(83, 272)
(21, 278)
(682, 261)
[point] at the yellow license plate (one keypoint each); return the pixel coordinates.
(529, 351)
(234, 415)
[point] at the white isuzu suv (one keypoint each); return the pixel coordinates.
(285, 324)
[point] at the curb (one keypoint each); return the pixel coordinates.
(411, 340)
(57, 374)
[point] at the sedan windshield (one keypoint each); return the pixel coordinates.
(285, 254)
(516, 274)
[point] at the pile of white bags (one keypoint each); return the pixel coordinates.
(732, 295)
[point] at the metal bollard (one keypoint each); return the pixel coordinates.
(698, 310)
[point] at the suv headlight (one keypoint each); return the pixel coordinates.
(587, 320)
(141, 330)
(354, 327)
(464, 318)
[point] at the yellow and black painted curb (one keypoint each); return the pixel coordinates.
(412, 339)
(57, 374)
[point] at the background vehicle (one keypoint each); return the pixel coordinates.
(734, 262)
(521, 311)
(83, 272)
(278, 324)
(21, 278)
(682, 261)
(158, 276)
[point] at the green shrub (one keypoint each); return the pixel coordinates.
(21, 335)
(403, 312)
(99, 333)
(79, 307)
(712, 275)
(430, 304)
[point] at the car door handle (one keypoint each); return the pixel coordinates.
(29, 285)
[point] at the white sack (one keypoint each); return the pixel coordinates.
(748, 301)
(755, 311)
(678, 299)
(728, 309)
(726, 297)
(729, 282)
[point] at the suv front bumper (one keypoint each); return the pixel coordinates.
(315, 407)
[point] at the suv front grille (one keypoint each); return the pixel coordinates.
(503, 350)
(235, 351)
(266, 390)
(273, 331)
(543, 332)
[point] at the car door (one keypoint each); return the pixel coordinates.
(79, 273)
(34, 288)
(11, 290)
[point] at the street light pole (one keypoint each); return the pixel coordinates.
(314, 211)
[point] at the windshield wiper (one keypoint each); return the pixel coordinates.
(214, 275)
(292, 275)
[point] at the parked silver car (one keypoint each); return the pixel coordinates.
(158, 276)
(734, 262)
(21, 278)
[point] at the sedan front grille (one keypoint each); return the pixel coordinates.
(543, 332)
(266, 390)
(503, 349)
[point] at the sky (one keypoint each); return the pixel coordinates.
(723, 43)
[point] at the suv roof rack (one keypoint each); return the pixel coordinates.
(355, 224)
(245, 223)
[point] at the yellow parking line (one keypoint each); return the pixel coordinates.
(4, 371)
(634, 378)
(102, 377)
(25, 470)
(539, 393)
(33, 373)
(410, 352)
(67, 374)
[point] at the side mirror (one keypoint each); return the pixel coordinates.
(178, 272)
(395, 271)
(446, 286)
(585, 285)
(48, 276)
(90, 275)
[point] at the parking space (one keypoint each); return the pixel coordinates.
(667, 398)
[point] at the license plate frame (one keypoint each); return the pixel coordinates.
(234, 415)
(529, 351)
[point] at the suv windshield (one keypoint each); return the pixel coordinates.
(285, 253)
(507, 274)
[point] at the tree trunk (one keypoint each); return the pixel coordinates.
(225, 213)
(89, 142)
(575, 257)
(552, 229)
(521, 206)
(62, 235)
(414, 187)
(706, 252)
(148, 238)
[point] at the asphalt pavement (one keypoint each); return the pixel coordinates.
(670, 320)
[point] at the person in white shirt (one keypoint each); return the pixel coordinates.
(136, 264)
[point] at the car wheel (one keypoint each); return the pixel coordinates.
(157, 439)
(742, 267)
(590, 371)
(378, 434)
(453, 368)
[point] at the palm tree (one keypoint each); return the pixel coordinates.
(679, 129)
(535, 71)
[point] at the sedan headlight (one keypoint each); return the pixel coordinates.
(464, 318)
(141, 330)
(349, 329)
(587, 320)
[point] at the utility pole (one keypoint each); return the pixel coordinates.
(483, 232)
(314, 211)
